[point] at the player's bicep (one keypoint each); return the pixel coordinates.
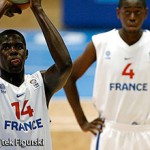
(52, 79)
(84, 61)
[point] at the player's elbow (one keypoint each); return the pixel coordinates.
(69, 64)
(65, 71)
(68, 69)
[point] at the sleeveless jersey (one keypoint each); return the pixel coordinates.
(24, 119)
(122, 80)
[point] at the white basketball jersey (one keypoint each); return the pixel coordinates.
(24, 119)
(122, 80)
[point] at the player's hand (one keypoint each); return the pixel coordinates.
(12, 9)
(94, 127)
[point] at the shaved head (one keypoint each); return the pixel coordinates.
(122, 1)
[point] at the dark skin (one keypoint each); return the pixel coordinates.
(132, 15)
(13, 54)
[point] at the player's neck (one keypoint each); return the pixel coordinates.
(14, 78)
(130, 38)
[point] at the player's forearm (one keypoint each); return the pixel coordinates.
(54, 41)
(74, 101)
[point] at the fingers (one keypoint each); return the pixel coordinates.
(12, 10)
(97, 125)
(95, 130)
(9, 14)
(18, 10)
(94, 127)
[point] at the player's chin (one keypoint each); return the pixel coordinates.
(133, 29)
(16, 69)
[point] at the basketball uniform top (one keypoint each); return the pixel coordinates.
(122, 80)
(24, 119)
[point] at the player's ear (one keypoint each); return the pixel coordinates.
(146, 12)
(26, 53)
(118, 12)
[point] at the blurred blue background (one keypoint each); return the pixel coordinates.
(92, 14)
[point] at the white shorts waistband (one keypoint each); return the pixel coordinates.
(127, 127)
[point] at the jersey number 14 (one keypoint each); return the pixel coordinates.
(26, 110)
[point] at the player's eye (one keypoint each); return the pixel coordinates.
(127, 12)
(6, 47)
(19, 46)
(138, 12)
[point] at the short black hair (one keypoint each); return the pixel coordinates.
(120, 4)
(11, 32)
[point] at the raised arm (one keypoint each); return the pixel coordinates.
(81, 64)
(56, 76)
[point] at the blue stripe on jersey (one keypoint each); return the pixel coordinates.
(97, 142)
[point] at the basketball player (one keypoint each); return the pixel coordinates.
(122, 82)
(24, 117)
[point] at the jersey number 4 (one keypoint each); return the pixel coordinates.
(128, 72)
(26, 110)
